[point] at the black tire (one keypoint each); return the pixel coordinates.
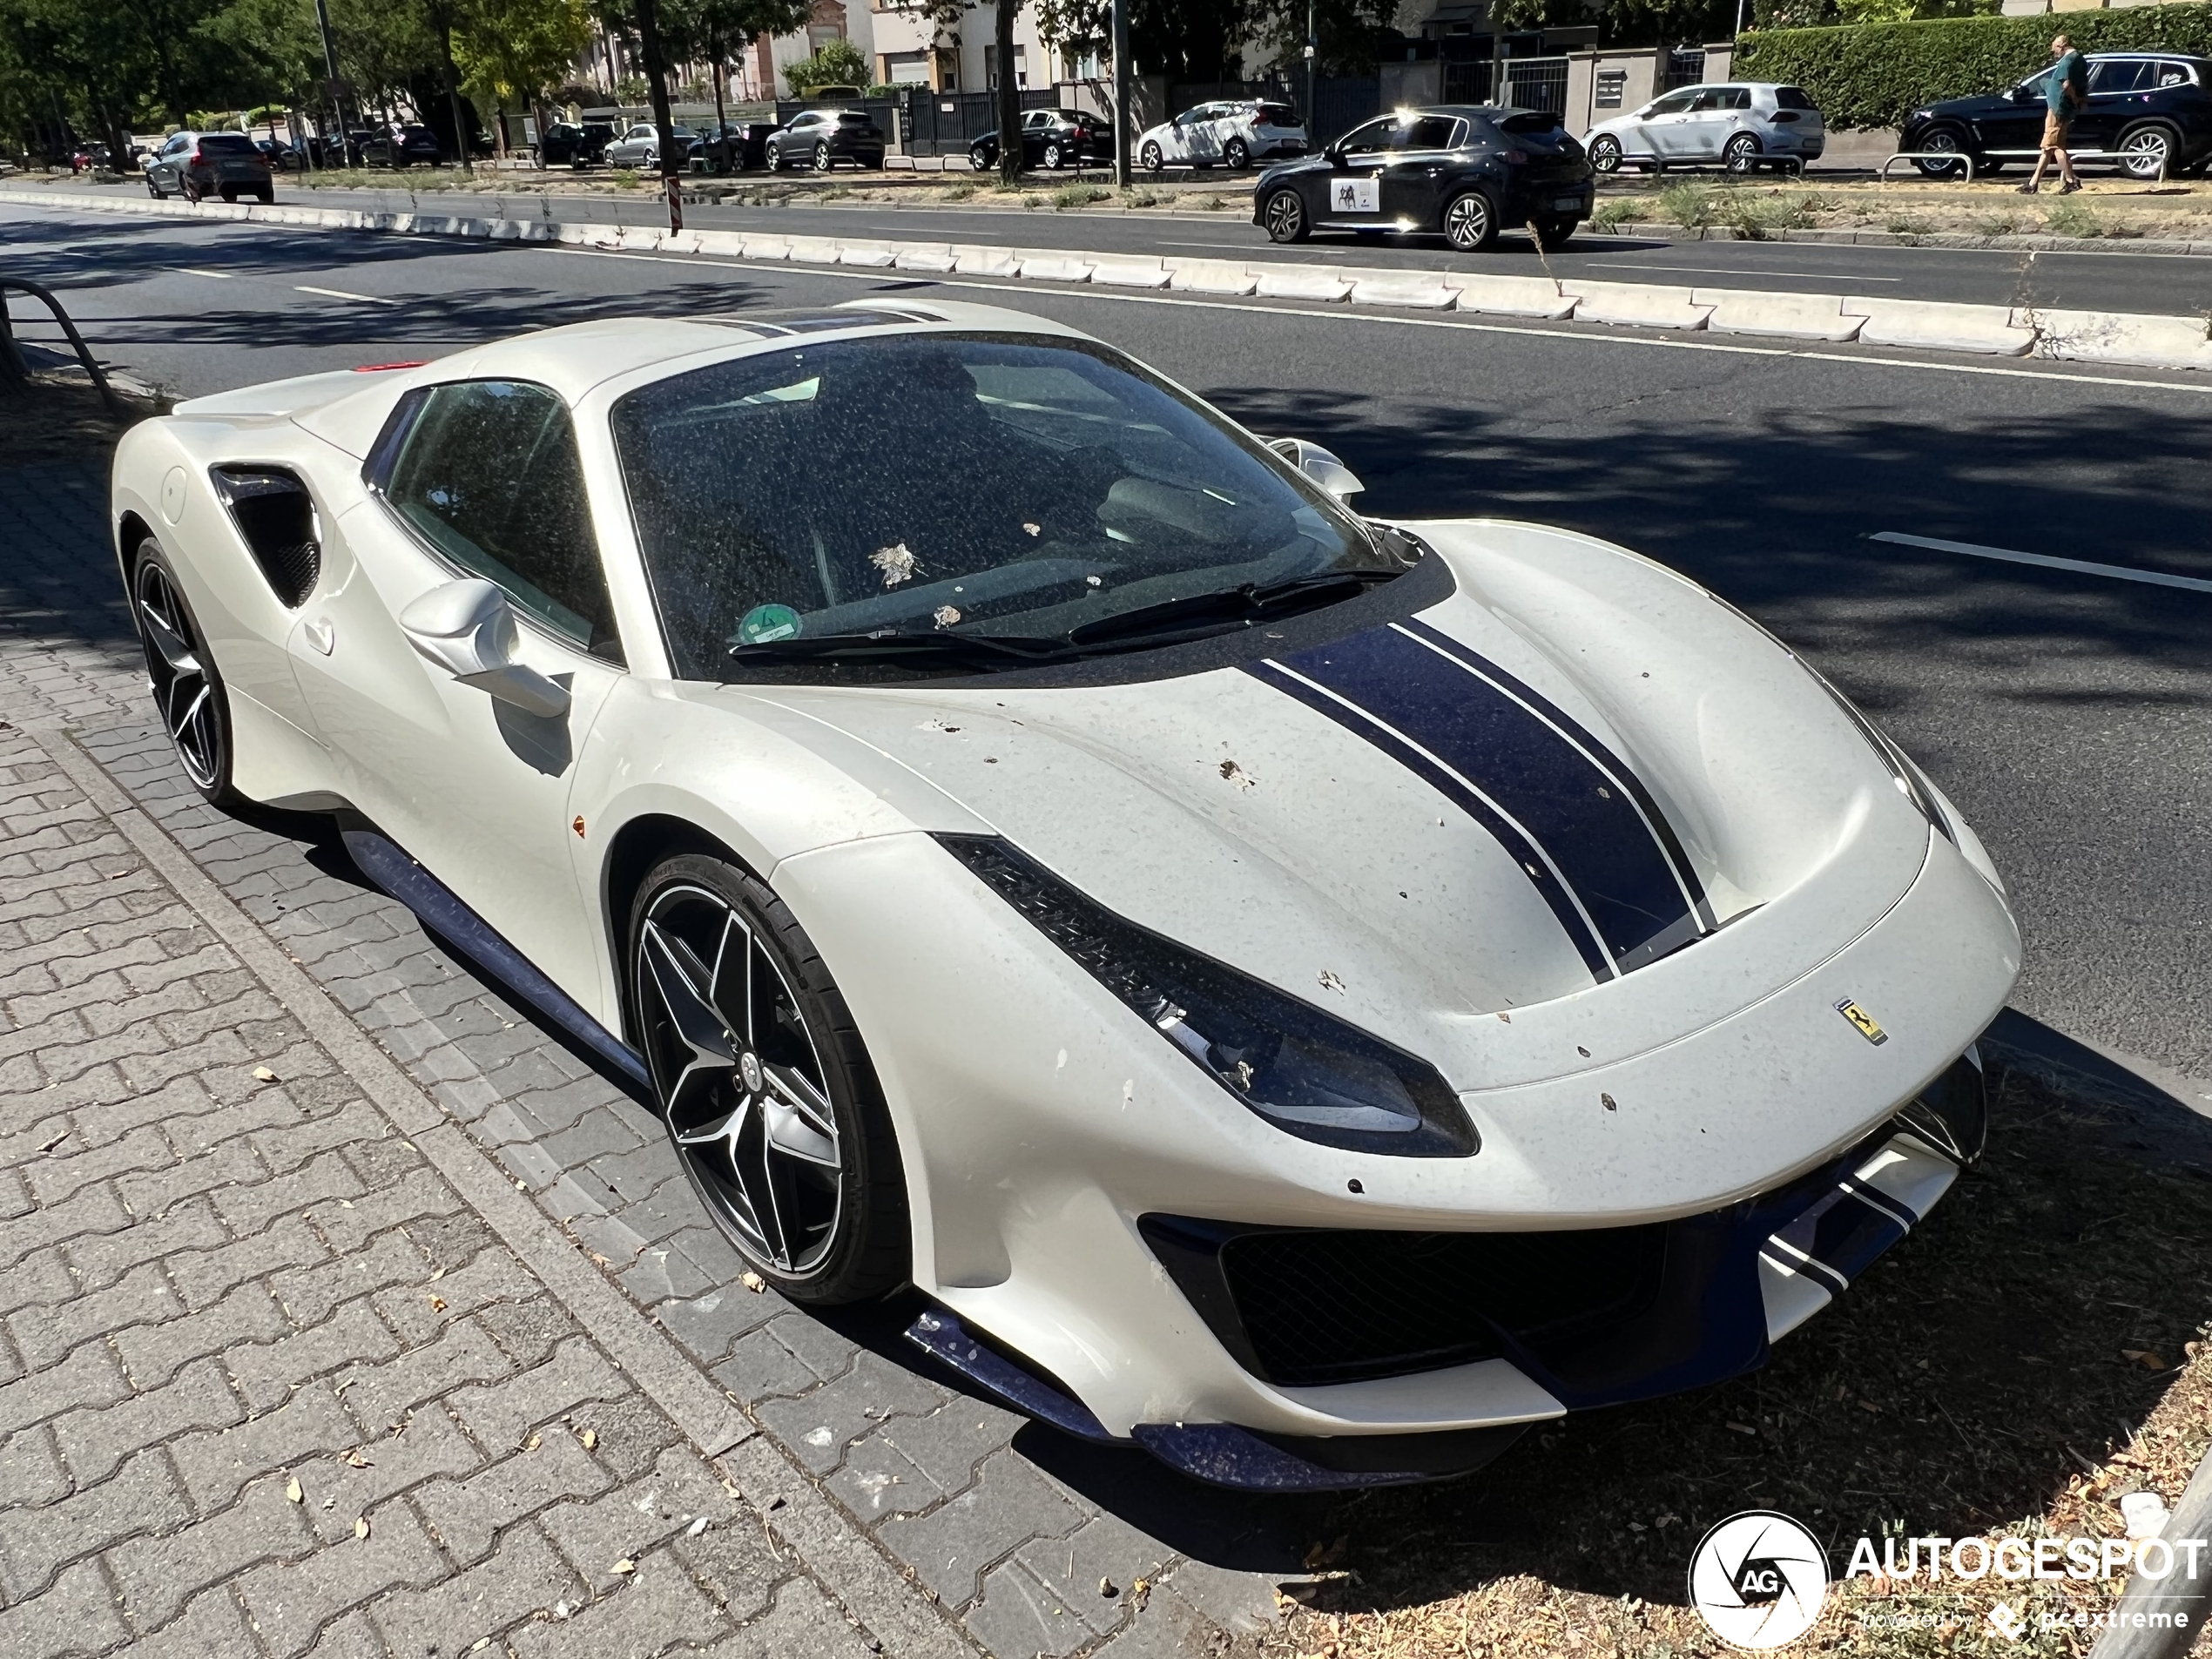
(1554, 234)
(1237, 155)
(775, 157)
(823, 160)
(1286, 218)
(2146, 151)
(765, 1085)
(1605, 154)
(1150, 160)
(266, 195)
(982, 158)
(156, 190)
(1470, 222)
(1054, 156)
(181, 675)
(189, 190)
(1741, 153)
(1946, 140)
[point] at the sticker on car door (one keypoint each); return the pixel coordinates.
(1355, 196)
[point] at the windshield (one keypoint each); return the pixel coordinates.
(958, 484)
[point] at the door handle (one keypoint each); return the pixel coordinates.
(319, 634)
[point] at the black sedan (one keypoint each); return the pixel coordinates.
(733, 147)
(2150, 112)
(1051, 138)
(575, 144)
(403, 146)
(821, 139)
(1464, 171)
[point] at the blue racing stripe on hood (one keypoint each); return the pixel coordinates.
(1586, 825)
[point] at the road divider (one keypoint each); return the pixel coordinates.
(2003, 331)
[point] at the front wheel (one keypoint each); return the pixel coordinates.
(180, 672)
(2147, 153)
(1943, 143)
(156, 190)
(1605, 152)
(1285, 216)
(1150, 160)
(775, 159)
(822, 157)
(1055, 158)
(1237, 154)
(1470, 223)
(765, 1085)
(1740, 153)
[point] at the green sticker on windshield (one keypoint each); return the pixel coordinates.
(765, 623)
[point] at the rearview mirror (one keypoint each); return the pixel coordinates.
(1319, 464)
(467, 628)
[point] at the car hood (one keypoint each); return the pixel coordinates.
(1578, 796)
(1979, 105)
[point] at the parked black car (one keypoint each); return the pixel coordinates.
(572, 143)
(403, 146)
(1051, 138)
(283, 157)
(2148, 112)
(734, 147)
(1464, 171)
(821, 139)
(196, 165)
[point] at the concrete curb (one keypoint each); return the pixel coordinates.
(2003, 331)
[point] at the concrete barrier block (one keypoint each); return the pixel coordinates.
(925, 256)
(871, 254)
(1636, 304)
(767, 247)
(1210, 276)
(637, 238)
(814, 250)
(728, 244)
(974, 261)
(1301, 282)
(1936, 326)
(1120, 273)
(1422, 290)
(1055, 265)
(1512, 296)
(679, 242)
(507, 229)
(2119, 337)
(1788, 316)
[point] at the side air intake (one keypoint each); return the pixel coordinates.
(276, 516)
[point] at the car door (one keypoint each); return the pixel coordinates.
(1414, 175)
(172, 160)
(1201, 138)
(1353, 183)
(2119, 92)
(1659, 124)
(1036, 126)
(482, 479)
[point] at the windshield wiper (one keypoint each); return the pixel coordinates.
(1199, 613)
(892, 642)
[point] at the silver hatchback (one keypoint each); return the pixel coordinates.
(1740, 124)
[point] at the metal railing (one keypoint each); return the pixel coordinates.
(1958, 156)
(15, 373)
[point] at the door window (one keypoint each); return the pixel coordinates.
(1427, 132)
(1723, 97)
(1376, 135)
(489, 476)
(1675, 103)
(2173, 75)
(2119, 75)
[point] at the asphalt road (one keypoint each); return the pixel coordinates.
(2068, 715)
(2137, 280)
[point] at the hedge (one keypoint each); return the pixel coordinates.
(1871, 75)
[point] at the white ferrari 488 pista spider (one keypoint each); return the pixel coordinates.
(1306, 995)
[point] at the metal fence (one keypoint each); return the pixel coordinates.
(945, 124)
(1682, 69)
(1535, 83)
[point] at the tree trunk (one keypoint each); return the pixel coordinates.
(649, 42)
(721, 116)
(1009, 96)
(453, 94)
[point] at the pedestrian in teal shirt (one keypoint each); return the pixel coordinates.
(2065, 95)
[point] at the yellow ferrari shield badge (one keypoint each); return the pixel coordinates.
(1862, 1023)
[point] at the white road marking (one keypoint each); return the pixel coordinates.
(2085, 567)
(1725, 270)
(189, 270)
(880, 274)
(340, 293)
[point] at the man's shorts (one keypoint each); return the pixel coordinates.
(2055, 126)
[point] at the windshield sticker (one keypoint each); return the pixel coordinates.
(947, 616)
(1355, 196)
(764, 622)
(896, 563)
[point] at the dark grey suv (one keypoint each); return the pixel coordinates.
(193, 165)
(821, 139)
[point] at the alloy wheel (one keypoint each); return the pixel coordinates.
(2146, 153)
(177, 672)
(1939, 143)
(822, 157)
(1052, 157)
(1285, 216)
(1605, 154)
(740, 1081)
(1238, 155)
(1468, 223)
(1150, 159)
(1741, 153)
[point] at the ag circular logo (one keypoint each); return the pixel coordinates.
(1758, 1580)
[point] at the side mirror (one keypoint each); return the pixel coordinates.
(1319, 465)
(467, 628)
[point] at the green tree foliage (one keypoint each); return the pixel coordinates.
(835, 63)
(510, 52)
(1875, 74)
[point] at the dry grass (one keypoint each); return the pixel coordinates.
(2179, 211)
(1978, 1382)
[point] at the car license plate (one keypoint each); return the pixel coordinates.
(1566, 203)
(1355, 196)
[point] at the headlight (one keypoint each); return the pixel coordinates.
(1304, 1071)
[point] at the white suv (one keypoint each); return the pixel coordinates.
(1741, 124)
(1232, 132)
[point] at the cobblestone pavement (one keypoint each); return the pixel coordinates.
(341, 1306)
